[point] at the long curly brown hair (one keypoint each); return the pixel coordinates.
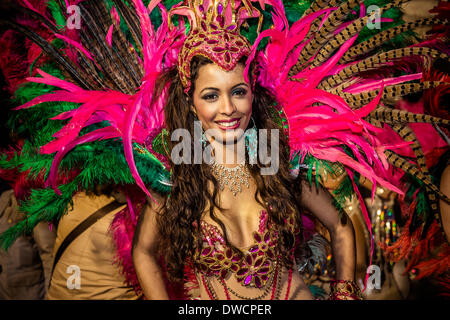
(179, 218)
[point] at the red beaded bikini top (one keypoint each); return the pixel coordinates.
(251, 268)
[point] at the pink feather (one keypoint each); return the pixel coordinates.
(369, 85)
(77, 45)
(109, 35)
(115, 15)
(103, 133)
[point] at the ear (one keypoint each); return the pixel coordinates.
(191, 105)
(194, 111)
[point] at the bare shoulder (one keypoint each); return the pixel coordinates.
(155, 202)
(445, 181)
(445, 178)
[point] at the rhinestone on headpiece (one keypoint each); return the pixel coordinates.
(214, 34)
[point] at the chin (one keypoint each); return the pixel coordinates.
(233, 136)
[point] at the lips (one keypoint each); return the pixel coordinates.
(229, 124)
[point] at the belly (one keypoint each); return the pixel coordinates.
(283, 286)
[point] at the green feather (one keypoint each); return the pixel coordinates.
(58, 16)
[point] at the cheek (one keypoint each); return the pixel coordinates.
(205, 111)
(245, 105)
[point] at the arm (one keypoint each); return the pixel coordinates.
(145, 254)
(444, 206)
(320, 203)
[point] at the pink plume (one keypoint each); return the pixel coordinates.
(77, 45)
(115, 15)
(109, 35)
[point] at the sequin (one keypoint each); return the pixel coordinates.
(227, 57)
(221, 21)
(250, 268)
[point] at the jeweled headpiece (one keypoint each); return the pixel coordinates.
(214, 33)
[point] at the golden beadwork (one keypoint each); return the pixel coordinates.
(214, 34)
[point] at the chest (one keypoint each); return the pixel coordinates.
(239, 213)
(251, 266)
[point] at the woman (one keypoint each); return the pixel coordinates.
(107, 127)
(218, 98)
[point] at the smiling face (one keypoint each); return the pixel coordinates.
(223, 100)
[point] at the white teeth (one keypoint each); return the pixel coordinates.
(228, 124)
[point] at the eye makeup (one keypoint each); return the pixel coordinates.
(210, 96)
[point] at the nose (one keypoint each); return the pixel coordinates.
(227, 107)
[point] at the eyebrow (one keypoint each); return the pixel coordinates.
(216, 89)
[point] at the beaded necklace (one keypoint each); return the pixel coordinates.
(276, 288)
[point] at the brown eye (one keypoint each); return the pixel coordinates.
(239, 92)
(209, 96)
